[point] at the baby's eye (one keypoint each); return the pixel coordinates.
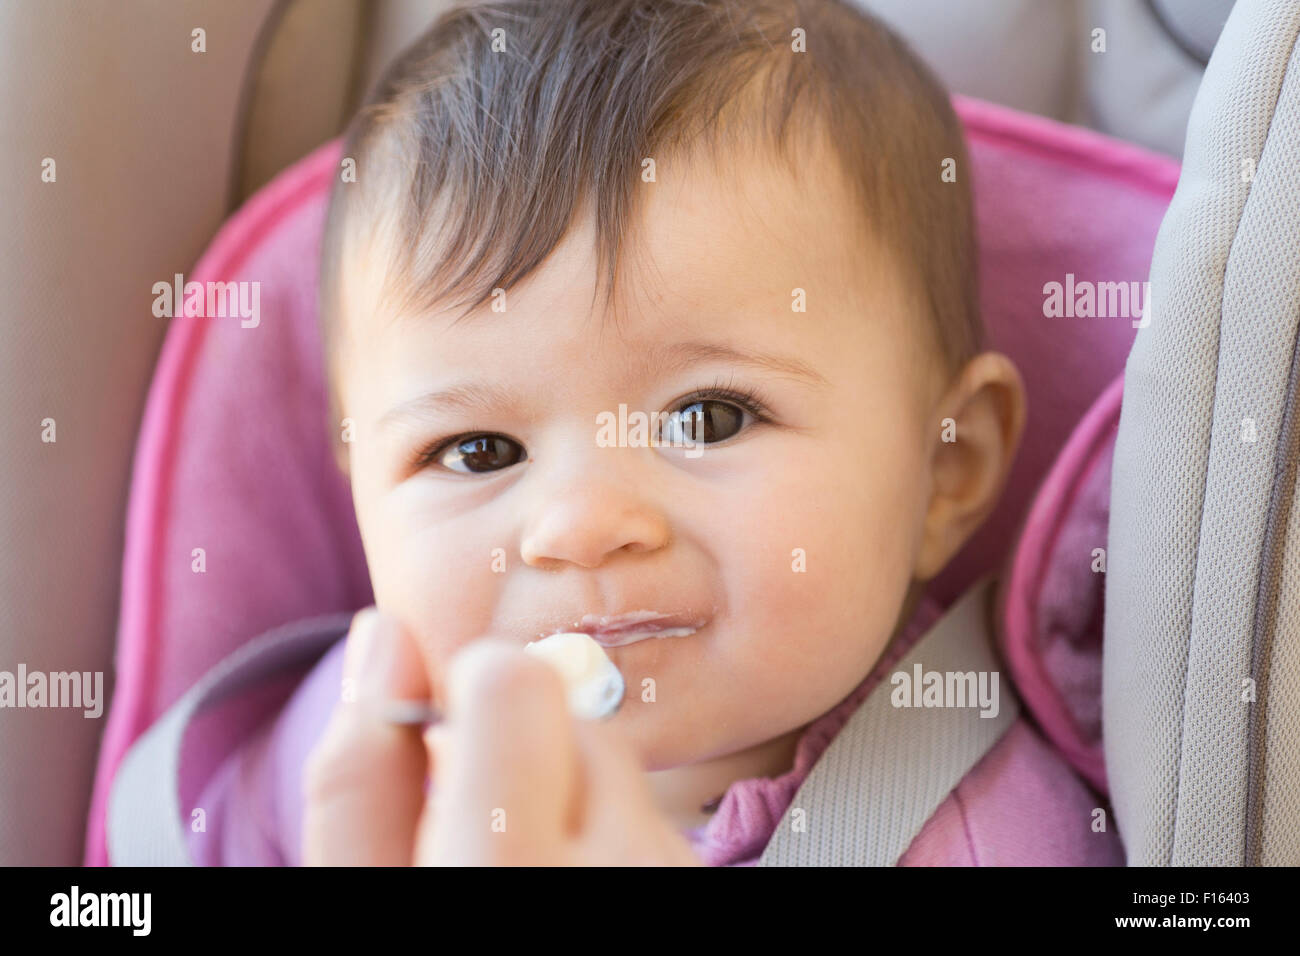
(479, 453)
(702, 421)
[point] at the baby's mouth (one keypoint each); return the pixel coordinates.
(620, 629)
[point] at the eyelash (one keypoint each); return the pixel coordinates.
(750, 399)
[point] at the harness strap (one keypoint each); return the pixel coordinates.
(889, 768)
(145, 822)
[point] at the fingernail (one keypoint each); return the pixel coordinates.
(375, 651)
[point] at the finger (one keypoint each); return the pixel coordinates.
(613, 781)
(408, 678)
(614, 790)
(507, 771)
(363, 785)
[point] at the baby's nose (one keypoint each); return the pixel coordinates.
(584, 524)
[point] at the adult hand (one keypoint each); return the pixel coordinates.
(520, 780)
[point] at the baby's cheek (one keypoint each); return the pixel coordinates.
(826, 586)
(440, 584)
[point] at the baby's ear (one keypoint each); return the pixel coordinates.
(978, 423)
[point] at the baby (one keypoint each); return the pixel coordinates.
(749, 223)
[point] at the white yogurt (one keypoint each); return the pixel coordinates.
(594, 683)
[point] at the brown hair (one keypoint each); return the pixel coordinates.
(478, 159)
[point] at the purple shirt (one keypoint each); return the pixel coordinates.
(1021, 804)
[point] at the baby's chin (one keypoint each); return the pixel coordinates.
(667, 738)
(661, 747)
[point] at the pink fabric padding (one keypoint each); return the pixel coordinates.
(1051, 199)
(1073, 146)
(157, 658)
(233, 454)
(1024, 639)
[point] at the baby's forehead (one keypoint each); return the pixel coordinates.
(705, 236)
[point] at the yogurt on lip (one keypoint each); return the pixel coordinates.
(632, 635)
(639, 625)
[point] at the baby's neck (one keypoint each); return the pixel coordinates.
(682, 792)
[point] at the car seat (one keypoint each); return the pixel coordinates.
(273, 518)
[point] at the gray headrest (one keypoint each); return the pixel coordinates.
(1201, 686)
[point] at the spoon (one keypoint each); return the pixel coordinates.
(595, 685)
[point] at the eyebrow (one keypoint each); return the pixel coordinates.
(683, 355)
(484, 397)
(470, 397)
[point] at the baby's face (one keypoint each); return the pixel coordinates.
(794, 537)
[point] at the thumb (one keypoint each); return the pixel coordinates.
(363, 784)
